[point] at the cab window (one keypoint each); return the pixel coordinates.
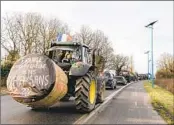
(86, 55)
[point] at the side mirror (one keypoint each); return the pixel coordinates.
(93, 57)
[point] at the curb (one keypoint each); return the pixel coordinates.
(85, 118)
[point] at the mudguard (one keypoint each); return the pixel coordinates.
(79, 69)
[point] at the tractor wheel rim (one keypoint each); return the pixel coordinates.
(92, 92)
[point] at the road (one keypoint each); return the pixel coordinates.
(131, 106)
(13, 112)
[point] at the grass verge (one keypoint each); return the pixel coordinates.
(162, 101)
(4, 90)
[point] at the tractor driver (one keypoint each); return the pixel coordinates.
(72, 56)
(60, 55)
(68, 56)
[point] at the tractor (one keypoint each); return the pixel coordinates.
(68, 69)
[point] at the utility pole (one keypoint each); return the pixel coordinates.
(151, 27)
(147, 62)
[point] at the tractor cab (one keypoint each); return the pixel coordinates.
(65, 54)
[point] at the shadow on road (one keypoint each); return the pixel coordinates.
(63, 107)
(61, 112)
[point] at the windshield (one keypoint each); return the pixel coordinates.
(65, 53)
(119, 78)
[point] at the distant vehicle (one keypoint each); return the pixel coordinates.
(143, 77)
(110, 80)
(133, 78)
(121, 80)
(127, 77)
(139, 78)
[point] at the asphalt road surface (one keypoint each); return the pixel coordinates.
(131, 106)
(13, 112)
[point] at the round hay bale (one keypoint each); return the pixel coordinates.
(37, 81)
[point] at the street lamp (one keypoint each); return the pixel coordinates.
(147, 52)
(151, 27)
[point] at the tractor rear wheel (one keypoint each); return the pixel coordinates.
(86, 93)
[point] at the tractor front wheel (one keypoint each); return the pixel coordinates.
(85, 93)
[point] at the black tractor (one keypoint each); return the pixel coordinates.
(84, 68)
(69, 69)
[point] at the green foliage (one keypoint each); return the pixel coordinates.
(5, 69)
(13, 56)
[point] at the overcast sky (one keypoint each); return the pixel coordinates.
(123, 22)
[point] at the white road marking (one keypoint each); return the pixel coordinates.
(86, 117)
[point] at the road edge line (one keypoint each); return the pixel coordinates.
(84, 120)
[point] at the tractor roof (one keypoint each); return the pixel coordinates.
(69, 44)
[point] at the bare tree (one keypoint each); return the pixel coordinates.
(102, 43)
(95, 40)
(166, 62)
(9, 36)
(28, 26)
(64, 28)
(85, 35)
(165, 66)
(48, 32)
(30, 32)
(130, 65)
(118, 62)
(107, 52)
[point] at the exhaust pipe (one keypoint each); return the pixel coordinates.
(36, 81)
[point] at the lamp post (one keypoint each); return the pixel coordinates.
(151, 27)
(149, 69)
(147, 62)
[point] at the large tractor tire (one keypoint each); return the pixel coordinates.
(86, 93)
